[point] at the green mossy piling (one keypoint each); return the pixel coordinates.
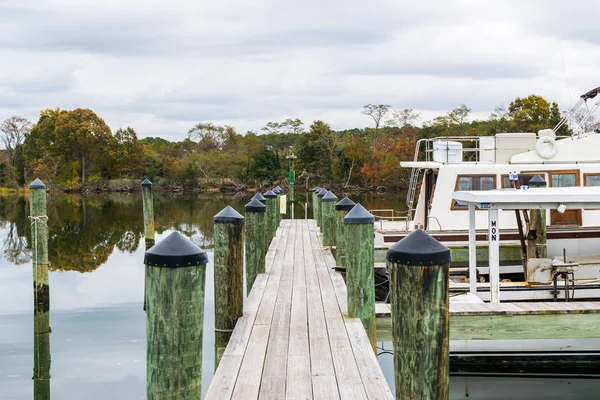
(341, 210)
(255, 237)
(229, 276)
(329, 229)
(41, 291)
(175, 278)
(360, 268)
(271, 217)
(419, 268)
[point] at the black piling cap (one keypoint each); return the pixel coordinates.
(316, 189)
(359, 215)
(255, 206)
(329, 197)
(270, 194)
(277, 190)
(321, 193)
(146, 183)
(419, 249)
(345, 204)
(260, 197)
(229, 216)
(537, 181)
(37, 184)
(175, 251)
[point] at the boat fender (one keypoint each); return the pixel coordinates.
(546, 147)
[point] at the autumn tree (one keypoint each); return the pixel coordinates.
(533, 113)
(403, 118)
(14, 130)
(82, 133)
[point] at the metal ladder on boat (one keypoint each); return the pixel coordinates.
(412, 187)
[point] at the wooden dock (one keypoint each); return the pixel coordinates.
(294, 340)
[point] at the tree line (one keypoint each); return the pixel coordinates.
(76, 149)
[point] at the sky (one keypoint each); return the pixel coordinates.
(163, 66)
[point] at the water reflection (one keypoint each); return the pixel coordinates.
(41, 343)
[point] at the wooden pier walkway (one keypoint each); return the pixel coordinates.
(294, 340)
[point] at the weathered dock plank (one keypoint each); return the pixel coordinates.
(294, 340)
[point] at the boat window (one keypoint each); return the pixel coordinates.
(591, 180)
(564, 180)
(473, 182)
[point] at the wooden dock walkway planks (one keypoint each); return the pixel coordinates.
(294, 341)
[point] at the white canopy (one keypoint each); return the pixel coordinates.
(515, 199)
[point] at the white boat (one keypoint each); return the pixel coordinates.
(442, 166)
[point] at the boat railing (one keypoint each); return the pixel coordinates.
(388, 214)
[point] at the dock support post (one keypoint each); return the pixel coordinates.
(419, 267)
(320, 195)
(255, 241)
(41, 290)
(494, 255)
(229, 276)
(342, 208)
(176, 272)
(148, 206)
(329, 229)
(360, 269)
(472, 250)
(315, 203)
(536, 230)
(271, 217)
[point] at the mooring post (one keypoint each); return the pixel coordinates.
(176, 272)
(148, 206)
(329, 228)
(419, 267)
(255, 241)
(258, 196)
(271, 216)
(342, 208)
(41, 290)
(229, 276)
(320, 195)
(278, 191)
(315, 203)
(536, 232)
(360, 268)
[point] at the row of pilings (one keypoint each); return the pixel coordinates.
(175, 273)
(418, 268)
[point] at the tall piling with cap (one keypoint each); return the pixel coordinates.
(229, 276)
(255, 234)
(176, 273)
(342, 208)
(329, 229)
(148, 207)
(41, 289)
(419, 267)
(315, 203)
(278, 191)
(320, 195)
(360, 268)
(271, 217)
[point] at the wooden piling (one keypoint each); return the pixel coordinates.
(271, 216)
(419, 267)
(342, 208)
(255, 234)
(329, 229)
(315, 203)
(148, 206)
(536, 229)
(176, 272)
(360, 268)
(319, 218)
(229, 276)
(41, 291)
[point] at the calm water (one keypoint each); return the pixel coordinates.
(96, 290)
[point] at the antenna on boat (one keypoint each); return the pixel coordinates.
(582, 100)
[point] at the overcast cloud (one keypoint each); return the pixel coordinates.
(162, 66)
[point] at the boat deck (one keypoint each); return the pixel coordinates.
(294, 340)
